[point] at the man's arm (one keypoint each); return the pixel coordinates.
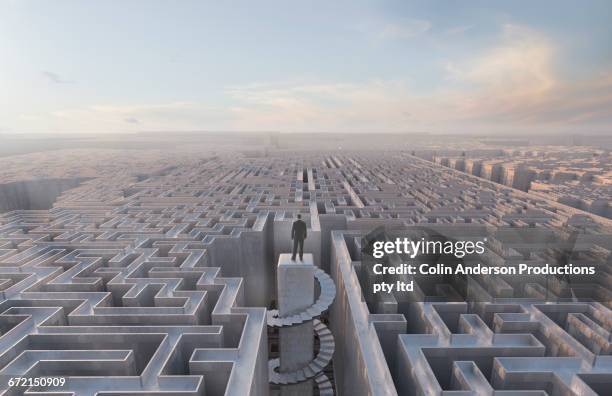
(293, 231)
(305, 231)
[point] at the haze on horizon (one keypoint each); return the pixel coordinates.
(340, 66)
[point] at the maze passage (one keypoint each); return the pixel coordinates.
(165, 285)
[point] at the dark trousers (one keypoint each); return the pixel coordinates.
(296, 242)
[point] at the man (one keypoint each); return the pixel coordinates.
(298, 234)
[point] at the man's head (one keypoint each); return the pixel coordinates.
(299, 216)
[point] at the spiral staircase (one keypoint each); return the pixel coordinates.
(314, 369)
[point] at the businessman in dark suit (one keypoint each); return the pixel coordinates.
(298, 234)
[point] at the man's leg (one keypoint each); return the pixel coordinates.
(295, 247)
(301, 249)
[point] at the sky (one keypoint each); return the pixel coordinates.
(118, 66)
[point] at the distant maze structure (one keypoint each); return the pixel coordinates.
(165, 286)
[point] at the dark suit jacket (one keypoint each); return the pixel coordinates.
(298, 231)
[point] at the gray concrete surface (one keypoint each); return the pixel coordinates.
(166, 285)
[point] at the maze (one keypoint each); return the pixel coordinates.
(166, 285)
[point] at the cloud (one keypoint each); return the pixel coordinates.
(405, 30)
(160, 116)
(55, 78)
(518, 83)
(522, 58)
(514, 84)
(459, 30)
(505, 80)
(368, 106)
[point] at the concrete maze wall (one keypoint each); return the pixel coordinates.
(162, 285)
